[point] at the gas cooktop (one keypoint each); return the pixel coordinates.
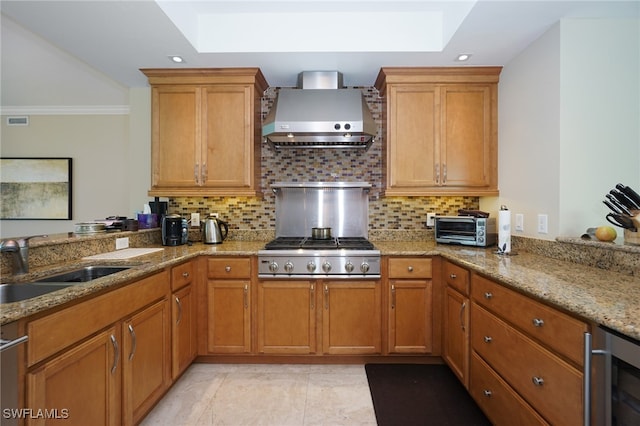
(294, 243)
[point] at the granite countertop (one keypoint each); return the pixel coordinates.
(604, 297)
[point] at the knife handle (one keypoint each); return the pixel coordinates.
(633, 195)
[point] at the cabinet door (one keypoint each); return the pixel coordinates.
(82, 384)
(465, 154)
(351, 322)
(146, 360)
(413, 136)
(229, 316)
(287, 317)
(410, 316)
(455, 349)
(175, 146)
(228, 134)
(183, 330)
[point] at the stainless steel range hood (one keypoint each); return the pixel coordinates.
(319, 114)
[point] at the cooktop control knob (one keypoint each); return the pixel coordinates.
(364, 267)
(288, 267)
(311, 266)
(326, 267)
(273, 267)
(348, 266)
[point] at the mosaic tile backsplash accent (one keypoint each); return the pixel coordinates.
(323, 165)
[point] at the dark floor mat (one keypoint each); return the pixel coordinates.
(420, 394)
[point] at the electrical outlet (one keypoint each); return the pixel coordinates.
(122, 243)
(543, 224)
(195, 220)
(519, 222)
(431, 220)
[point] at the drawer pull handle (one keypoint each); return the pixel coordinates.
(487, 393)
(227, 268)
(488, 339)
(453, 276)
(410, 269)
(538, 381)
(537, 322)
(488, 295)
(185, 275)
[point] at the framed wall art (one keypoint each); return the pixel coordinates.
(35, 188)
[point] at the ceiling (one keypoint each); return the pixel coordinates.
(285, 37)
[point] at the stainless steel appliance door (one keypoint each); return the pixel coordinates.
(9, 361)
(616, 382)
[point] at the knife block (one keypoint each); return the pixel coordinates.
(631, 237)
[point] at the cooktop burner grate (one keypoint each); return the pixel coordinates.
(294, 243)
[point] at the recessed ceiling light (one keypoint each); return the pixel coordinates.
(463, 57)
(177, 59)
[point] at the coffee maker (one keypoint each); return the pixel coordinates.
(175, 230)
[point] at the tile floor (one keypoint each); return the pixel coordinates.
(259, 394)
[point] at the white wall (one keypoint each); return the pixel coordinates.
(74, 111)
(569, 125)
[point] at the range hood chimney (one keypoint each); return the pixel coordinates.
(320, 113)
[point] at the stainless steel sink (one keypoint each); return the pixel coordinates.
(84, 274)
(13, 292)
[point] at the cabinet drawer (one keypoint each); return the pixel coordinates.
(562, 333)
(457, 277)
(409, 267)
(552, 386)
(229, 267)
(181, 275)
(499, 402)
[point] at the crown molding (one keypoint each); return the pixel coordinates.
(66, 110)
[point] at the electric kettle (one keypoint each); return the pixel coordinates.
(214, 230)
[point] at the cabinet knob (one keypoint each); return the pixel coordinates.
(453, 276)
(537, 322)
(487, 393)
(538, 381)
(488, 339)
(410, 269)
(185, 275)
(227, 268)
(488, 295)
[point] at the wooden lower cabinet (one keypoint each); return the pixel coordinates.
(286, 317)
(410, 317)
(146, 362)
(183, 330)
(184, 345)
(455, 347)
(106, 360)
(496, 398)
(351, 317)
(532, 347)
(229, 316)
(83, 384)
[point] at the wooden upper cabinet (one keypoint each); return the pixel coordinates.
(206, 131)
(440, 130)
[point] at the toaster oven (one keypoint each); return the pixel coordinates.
(466, 230)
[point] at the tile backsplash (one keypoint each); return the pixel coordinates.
(324, 165)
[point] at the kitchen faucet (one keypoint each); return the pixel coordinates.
(19, 248)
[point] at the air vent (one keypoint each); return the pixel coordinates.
(18, 121)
